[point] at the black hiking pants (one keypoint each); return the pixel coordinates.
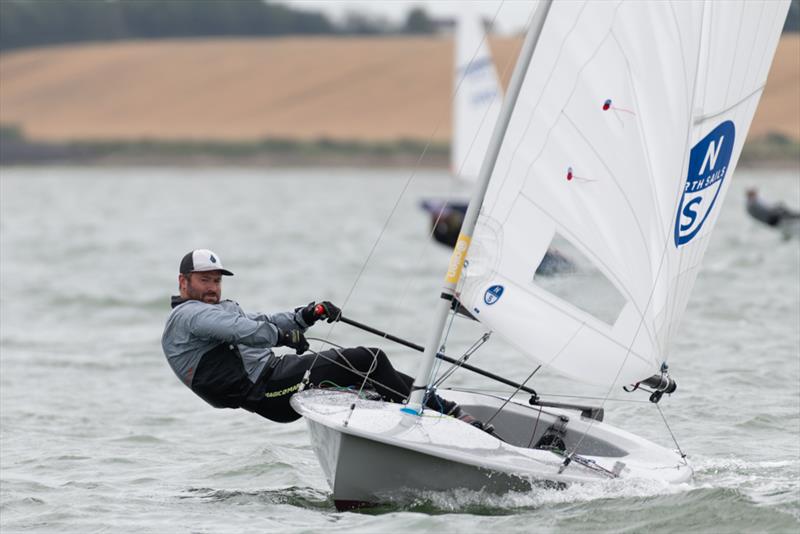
(332, 368)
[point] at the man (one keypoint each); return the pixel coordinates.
(770, 214)
(225, 355)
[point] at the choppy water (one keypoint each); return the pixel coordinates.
(97, 435)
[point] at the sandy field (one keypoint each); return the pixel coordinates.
(366, 89)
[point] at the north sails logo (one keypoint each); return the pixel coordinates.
(708, 166)
(212, 258)
(493, 294)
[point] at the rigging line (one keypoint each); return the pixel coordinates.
(372, 367)
(506, 67)
(535, 426)
(563, 347)
(443, 342)
(410, 179)
(350, 367)
(622, 366)
(505, 403)
(501, 184)
(683, 454)
(467, 354)
(543, 395)
(438, 362)
(429, 242)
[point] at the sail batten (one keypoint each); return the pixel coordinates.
(605, 151)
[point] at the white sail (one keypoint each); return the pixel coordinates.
(478, 96)
(623, 141)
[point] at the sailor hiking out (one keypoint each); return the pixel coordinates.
(225, 355)
(769, 214)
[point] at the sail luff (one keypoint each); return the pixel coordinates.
(422, 377)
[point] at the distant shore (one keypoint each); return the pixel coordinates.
(772, 151)
(18, 151)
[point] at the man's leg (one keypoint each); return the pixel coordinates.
(342, 368)
(350, 368)
(270, 396)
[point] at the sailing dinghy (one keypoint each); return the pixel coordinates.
(620, 133)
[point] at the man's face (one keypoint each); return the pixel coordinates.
(205, 286)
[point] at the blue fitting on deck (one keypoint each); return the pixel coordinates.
(408, 410)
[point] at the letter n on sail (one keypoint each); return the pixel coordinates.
(708, 165)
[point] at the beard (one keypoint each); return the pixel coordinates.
(209, 297)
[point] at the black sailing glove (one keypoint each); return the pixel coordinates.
(324, 310)
(293, 339)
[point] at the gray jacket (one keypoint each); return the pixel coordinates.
(194, 327)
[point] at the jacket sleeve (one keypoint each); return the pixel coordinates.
(215, 323)
(292, 320)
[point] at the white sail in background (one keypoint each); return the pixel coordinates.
(478, 96)
(623, 142)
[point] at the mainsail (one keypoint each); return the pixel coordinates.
(622, 143)
(477, 96)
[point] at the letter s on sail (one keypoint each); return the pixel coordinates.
(689, 211)
(709, 161)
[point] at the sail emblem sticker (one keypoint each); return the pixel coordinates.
(493, 294)
(708, 165)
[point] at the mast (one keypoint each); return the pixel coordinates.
(460, 251)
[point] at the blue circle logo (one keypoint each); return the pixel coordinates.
(493, 294)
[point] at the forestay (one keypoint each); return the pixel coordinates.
(477, 99)
(623, 141)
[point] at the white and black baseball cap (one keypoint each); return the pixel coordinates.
(202, 260)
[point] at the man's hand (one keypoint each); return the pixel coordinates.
(293, 339)
(324, 310)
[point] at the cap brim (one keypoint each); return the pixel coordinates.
(224, 272)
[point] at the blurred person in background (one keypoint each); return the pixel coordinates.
(770, 214)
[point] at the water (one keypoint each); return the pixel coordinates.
(97, 435)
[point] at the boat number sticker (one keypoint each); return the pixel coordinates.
(493, 294)
(708, 165)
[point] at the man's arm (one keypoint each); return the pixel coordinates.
(292, 320)
(214, 322)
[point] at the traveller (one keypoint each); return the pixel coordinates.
(225, 355)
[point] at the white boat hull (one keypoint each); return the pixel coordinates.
(384, 455)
